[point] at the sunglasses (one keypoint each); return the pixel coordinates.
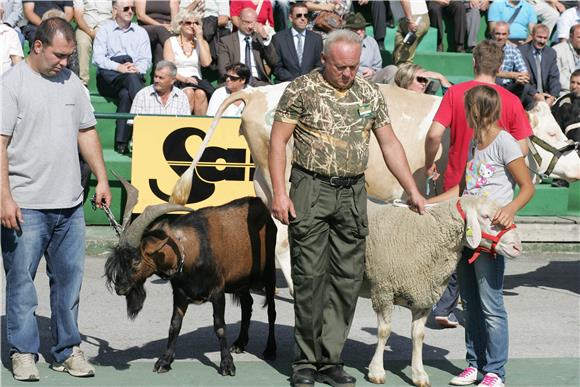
(126, 9)
(301, 15)
(422, 79)
(233, 77)
(189, 23)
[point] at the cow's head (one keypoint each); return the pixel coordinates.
(546, 128)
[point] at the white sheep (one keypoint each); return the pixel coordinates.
(409, 258)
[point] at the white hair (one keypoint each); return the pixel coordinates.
(346, 36)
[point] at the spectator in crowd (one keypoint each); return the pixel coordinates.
(190, 52)
(542, 62)
(89, 15)
(162, 97)
(413, 16)
(473, 11)
(371, 61)
(216, 17)
(264, 24)
(487, 60)
(339, 7)
(12, 15)
(413, 77)
(513, 74)
(122, 54)
(10, 47)
(518, 14)
(237, 77)
(41, 198)
(382, 17)
(568, 53)
(35, 9)
(297, 48)
(281, 13)
(548, 12)
(155, 17)
(566, 110)
(456, 9)
(249, 47)
(567, 19)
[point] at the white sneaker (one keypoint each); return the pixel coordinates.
(491, 380)
(466, 377)
(75, 365)
(24, 367)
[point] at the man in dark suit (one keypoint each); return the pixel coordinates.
(543, 65)
(248, 47)
(298, 49)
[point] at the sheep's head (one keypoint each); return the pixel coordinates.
(479, 213)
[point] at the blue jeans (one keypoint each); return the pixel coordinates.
(59, 235)
(486, 323)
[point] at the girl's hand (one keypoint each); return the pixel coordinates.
(504, 217)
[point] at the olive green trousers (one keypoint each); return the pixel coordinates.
(327, 244)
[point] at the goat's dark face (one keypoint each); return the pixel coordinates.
(122, 268)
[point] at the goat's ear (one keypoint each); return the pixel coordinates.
(472, 229)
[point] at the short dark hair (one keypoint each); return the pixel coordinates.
(47, 30)
(241, 71)
(573, 29)
(298, 4)
(576, 73)
(488, 57)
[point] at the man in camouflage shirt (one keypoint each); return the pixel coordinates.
(330, 113)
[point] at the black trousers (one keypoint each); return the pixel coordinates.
(457, 11)
(122, 89)
(380, 13)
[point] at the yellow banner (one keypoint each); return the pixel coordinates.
(163, 148)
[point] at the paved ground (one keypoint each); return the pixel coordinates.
(542, 292)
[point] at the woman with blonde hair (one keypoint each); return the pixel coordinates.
(413, 77)
(190, 52)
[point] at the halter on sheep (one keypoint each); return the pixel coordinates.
(411, 267)
(189, 250)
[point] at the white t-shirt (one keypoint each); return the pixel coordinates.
(216, 100)
(187, 66)
(9, 45)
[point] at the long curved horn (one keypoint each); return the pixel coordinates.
(132, 236)
(182, 187)
(132, 198)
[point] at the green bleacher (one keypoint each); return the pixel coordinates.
(457, 67)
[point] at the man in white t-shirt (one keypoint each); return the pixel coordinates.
(237, 77)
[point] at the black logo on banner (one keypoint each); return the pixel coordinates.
(205, 175)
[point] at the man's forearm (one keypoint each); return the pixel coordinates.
(92, 153)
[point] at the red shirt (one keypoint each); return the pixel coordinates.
(451, 114)
(266, 13)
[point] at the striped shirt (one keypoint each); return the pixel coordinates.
(147, 101)
(512, 61)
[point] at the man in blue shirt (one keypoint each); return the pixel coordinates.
(122, 54)
(520, 25)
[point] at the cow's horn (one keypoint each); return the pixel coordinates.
(132, 236)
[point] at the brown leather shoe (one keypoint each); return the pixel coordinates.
(304, 377)
(336, 377)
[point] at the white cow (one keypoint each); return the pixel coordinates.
(411, 114)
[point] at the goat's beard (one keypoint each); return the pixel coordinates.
(135, 299)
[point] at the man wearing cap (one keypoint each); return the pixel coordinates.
(371, 62)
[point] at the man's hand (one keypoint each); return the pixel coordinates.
(283, 208)
(11, 214)
(127, 68)
(523, 78)
(432, 172)
(416, 202)
(412, 26)
(544, 97)
(103, 192)
(191, 80)
(261, 30)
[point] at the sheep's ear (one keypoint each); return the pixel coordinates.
(472, 229)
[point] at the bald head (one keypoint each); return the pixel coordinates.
(248, 18)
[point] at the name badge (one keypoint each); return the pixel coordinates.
(365, 111)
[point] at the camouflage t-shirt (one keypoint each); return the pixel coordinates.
(332, 130)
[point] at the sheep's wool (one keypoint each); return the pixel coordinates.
(409, 257)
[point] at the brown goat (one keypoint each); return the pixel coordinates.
(205, 254)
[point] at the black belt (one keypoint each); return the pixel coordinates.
(335, 181)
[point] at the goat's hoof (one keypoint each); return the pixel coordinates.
(377, 377)
(227, 367)
(236, 349)
(161, 366)
(269, 354)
